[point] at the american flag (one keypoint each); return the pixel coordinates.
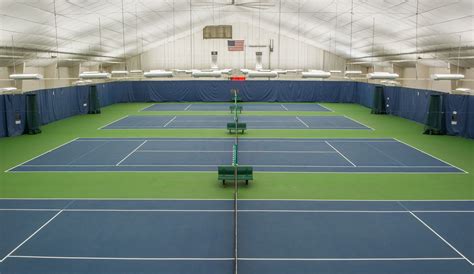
(235, 45)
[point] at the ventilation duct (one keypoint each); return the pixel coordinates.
(447, 76)
(158, 74)
(382, 75)
(26, 76)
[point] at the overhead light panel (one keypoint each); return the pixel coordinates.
(26, 76)
(94, 75)
(382, 75)
(262, 74)
(158, 74)
(352, 72)
(136, 71)
(8, 89)
(335, 71)
(390, 83)
(82, 82)
(316, 74)
(447, 76)
(198, 74)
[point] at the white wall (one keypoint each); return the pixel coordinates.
(293, 54)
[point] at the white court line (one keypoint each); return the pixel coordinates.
(128, 155)
(285, 108)
(358, 122)
(351, 167)
(186, 109)
(42, 154)
(432, 230)
(352, 259)
(172, 119)
(340, 153)
(330, 110)
(102, 127)
(231, 259)
(248, 151)
(31, 236)
(221, 199)
(240, 210)
(286, 140)
(146, 107)
(122, 258)
(430, 155)
(306, 125)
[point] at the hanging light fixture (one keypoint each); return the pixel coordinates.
(382, 75)
(440, 76)
(158, 74)
(94, 75)
(26, 76)
(316, 74)
(8, 89)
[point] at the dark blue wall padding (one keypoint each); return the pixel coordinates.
(60, 103)
(3, 117)
(464, 107)
(14, 117)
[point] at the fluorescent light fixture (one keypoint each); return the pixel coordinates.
(119, 72)
(82, 82)
(11, 56)
(293, 70)
(447, 76)
(225, 71)
(280, 71)
(461, 58)
(26, 76)
(136, 71)
(262, 74)
(335, 71)
(352, 72)
(382, 75)
(8, 89)
(94, 75)
(390, 83)
(198, 74)
(316, 74)
(461, 90)
(158, 74)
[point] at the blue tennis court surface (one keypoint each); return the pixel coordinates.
(253, 122)
(205, 154)
(274, 236)
(246, 106)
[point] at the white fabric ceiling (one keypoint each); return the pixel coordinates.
(442, 24)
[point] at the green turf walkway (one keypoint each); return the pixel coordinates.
(455, 150)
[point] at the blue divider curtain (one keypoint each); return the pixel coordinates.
(60, 103)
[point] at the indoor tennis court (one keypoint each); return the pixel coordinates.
(236, 137)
